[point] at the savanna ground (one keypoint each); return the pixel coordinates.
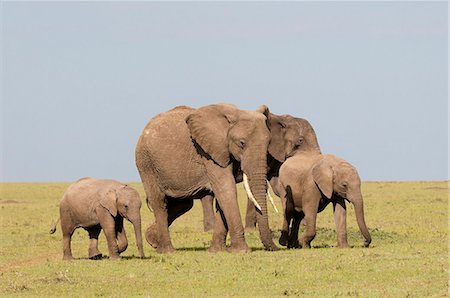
(408, 256)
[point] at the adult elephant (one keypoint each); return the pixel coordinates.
(289, 136)
(188, 153)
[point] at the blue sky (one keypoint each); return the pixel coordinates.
(81, 79)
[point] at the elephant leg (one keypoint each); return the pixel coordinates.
(208, 213)
(310, 229)
(224, 188)
(340, 220)
(250, 216)
(93, 251)
(288, 211)
(220, 232)
(107, 222)
(67, 228)
(157, 234)
(293, 233)
(122, 241)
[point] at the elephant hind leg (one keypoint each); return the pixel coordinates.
(93, 251)
(67, 228)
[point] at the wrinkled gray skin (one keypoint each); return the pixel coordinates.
(187, 154)
(309, 182)
(100, 204)
(289, 136)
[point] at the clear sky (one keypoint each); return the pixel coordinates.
(81, 79)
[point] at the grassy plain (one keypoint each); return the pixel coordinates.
(408, 256)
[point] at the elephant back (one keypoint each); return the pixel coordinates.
(166, 149)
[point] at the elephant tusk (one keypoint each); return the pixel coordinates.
(249, 193)
(269, 196)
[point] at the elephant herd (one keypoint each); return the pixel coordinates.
(186, 153)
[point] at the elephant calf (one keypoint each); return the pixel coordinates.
(100, 204)
(309, 182)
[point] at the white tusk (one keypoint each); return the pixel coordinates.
(270, 197)
(249, 193)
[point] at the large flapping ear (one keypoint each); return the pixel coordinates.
(323, 176)
(277, 142)
(209, 127)
(109, 201)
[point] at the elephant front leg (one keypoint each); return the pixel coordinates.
(310, 230)
(93, 251)
(224, 188)
(220, 232)
(340, 220)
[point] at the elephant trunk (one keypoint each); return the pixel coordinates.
(138, 234)
(359, 211)
(258, 186)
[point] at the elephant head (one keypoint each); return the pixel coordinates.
(126, 202)
(227, 134)
(290, 135)
(335, 176)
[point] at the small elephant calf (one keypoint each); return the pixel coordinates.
(94, 205)
(309, 183)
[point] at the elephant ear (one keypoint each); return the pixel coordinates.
(323, 176)
(209, 127)
(277, 144)
(109, 201)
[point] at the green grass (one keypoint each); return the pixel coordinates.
(408, 256)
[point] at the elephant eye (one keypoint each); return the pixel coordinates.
(242, 143)
(126, 206)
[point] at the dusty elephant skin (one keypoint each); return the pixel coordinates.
(186, 154)
(100, 204)
(309, 182)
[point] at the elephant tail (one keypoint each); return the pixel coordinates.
(53, 229)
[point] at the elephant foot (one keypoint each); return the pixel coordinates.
(239, 249)
(114, 257)
(304, 244)
(284, 238)
(151, 236)
(165, 249)
(67, 258)
(217, 248)
(97, 256)
(272, 247)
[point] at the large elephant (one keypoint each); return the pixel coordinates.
(100, 204)
(188, 153)
(309, 182)
(289, 136)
